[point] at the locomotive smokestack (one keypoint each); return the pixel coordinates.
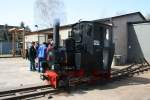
(56, 34)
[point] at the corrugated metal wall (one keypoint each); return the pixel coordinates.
(5, 48)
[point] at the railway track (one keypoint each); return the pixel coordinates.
(130, 71)
(28, 92)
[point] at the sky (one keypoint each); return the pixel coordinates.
(12, 12)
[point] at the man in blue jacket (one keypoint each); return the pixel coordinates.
(41, 55)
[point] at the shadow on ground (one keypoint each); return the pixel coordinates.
(83, 89)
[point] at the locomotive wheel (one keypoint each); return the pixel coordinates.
(66, 86)
(63, 83)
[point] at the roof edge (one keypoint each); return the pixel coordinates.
(106, 19)
(139, 22)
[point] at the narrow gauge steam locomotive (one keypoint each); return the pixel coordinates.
(86, 56)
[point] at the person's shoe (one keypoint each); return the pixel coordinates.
(34, 69)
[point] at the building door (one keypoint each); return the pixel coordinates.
(139, 40)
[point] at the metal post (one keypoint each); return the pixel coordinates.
(13, 43)
(38, 38)
(1, 47)
(37, 32)
(23, 49)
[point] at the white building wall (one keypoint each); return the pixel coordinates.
(64, 35)
(44, 37)
(29, 39)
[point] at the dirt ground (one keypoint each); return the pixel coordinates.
(15, 73)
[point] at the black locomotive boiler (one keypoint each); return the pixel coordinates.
(85, 57)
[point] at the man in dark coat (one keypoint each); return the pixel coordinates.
(32, 56)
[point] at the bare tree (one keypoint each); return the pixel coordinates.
(47, 11)
(22, 25)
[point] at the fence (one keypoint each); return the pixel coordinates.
(6, 49)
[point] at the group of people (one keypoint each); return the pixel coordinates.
(39, 54)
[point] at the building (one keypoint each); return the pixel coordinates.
(120, 33)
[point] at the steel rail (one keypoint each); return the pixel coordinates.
(130, 71)
(22, 89)
(30, 94)
(26, 92)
